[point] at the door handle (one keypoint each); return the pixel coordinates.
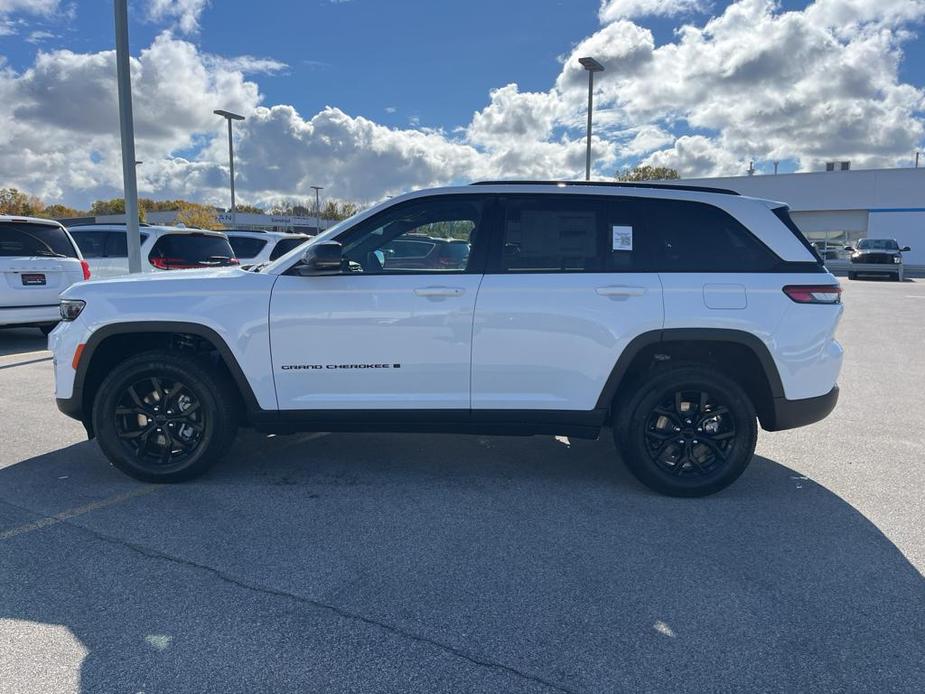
(620, 290)
(439, 291)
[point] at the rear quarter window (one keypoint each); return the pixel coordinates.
(23, 239)
(284, 246)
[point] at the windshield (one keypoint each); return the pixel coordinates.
(24, 239)
(878, 245)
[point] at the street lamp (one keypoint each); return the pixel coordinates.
(127, 131)
(317, 189)
(229, 116)
(592, 66)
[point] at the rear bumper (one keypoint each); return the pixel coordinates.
(29, 315)
(789, 414)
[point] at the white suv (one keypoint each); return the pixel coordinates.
(680, 317)
(257, 247)
(38, 260)
(162, 248)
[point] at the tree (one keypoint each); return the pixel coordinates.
(15, 202)
(647, 172)
(338, 210)
(193, 214)
(250, 209)
(59, 211)
(116, 206)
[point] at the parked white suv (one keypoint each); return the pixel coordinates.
(38, 260)
(678, 316)
(256, 247)
(105, 246)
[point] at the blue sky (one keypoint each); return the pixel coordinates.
(425, 72)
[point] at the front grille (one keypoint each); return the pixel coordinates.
(874, 258)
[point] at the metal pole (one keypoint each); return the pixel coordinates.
(127, 128)
(917, 159)
(318, 209)
(590, 107)
(234, 214)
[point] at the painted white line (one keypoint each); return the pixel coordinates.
(24, 355)
(79, 511)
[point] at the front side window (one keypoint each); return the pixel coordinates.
(422, 236)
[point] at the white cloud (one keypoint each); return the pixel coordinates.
(186, 13)
(612, 10)
(41, 7)
(753, 82)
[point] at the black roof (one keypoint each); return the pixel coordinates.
(613, 184)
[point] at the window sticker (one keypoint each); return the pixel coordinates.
(622, 238)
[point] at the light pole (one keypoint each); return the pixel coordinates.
(592, 66)
(127, 130)
(229, 116)
(317, 189)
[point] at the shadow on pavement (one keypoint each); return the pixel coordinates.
(21, 340)
(440, 563)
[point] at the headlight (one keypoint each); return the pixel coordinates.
(897, 259)
(71, 308)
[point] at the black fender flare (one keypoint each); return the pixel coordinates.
(113, 329)
(640, 342)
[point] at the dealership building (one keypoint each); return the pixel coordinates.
(836, 208)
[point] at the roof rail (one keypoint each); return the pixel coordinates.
(103, 224)
(612, 184)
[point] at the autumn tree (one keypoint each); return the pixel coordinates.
(193, 214)
(647, 172)
(13, 201)
(248, 209)
(59, 211)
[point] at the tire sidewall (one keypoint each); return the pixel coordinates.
(630, 434)
(193, 377)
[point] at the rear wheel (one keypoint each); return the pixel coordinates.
(689, 431)
(164, 417)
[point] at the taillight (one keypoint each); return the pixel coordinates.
(814, 293)
(85, 266)
(234, 261)
(159, 263)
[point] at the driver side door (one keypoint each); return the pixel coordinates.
(393, 329)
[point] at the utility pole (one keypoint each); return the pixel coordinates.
(127, 130)
(317, 189)
(592, 66)
(229, 116)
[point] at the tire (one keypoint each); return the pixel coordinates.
(852, 275)
(134, 429)
(666, 459)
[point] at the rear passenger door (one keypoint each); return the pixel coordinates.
(567, 288)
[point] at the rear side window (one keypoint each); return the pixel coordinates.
(177, 251)
(21, 239)
(103, 243)
(284, 246)
(549, 233)
(246, 247)
(685, 236)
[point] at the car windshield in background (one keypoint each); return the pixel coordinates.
(180, 251)
(286, 245)
(245, 246)
(21, 239)
(878, 245)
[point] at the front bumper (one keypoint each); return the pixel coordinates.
(876, 268)
(790, 414)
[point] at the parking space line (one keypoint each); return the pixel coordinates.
(23, 363)
(6, 358)
(48, 521)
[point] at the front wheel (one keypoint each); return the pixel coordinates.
(689, 431)
(852, 275)
(160, 417)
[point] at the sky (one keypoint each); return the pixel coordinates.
(370, 98)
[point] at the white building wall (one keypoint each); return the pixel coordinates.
(906, 226)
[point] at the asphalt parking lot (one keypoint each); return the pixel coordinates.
(363, 562)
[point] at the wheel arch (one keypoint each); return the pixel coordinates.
(740, 355)
(124, 339)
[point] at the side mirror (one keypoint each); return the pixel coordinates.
(905, 249)
(849, 249)
(325, 258)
